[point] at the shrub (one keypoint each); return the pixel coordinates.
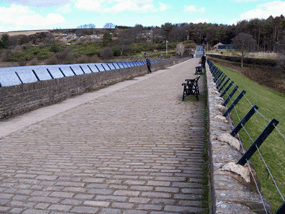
(106, 53)
(62, 55)
(34, 61)
(22, 61)
(54, 48)
(82, 59)
(52, 61)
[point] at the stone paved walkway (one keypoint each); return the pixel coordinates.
(134, 147)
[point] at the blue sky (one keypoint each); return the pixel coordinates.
(51, 14)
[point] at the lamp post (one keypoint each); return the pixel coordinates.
(166, 46)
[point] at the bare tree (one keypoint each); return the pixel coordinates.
(244, 43)
(109, 25)
(125, 38)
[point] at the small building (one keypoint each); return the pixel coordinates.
(217, 45)
(180, 49)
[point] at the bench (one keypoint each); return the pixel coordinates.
(191, 88)
(199, 70)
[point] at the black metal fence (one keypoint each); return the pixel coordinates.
(223, 84)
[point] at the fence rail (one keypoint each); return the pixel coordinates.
(219, 79)
(23, 75)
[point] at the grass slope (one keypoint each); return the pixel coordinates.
(272, 105)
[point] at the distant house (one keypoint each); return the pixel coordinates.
(217, 45)
(180, 49)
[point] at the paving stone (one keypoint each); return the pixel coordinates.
(16, 210)
(61, 208)
(97, 203)
(4, 209)
(82, 209)
(110, 211)
(42, 206)
(122, 205)
(149, 207)
(30, 211)
(62, 194)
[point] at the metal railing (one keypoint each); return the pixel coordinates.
(30, 74)
(223, 85)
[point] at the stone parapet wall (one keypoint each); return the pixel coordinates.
(18, 99)
(232, 186)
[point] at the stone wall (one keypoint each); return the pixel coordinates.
(232, 187)
(18, 99)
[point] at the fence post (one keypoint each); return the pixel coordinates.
(97, 68)
(36, 75)
(19, 77)
(50, 73)
(234, 103)
(82, 69)
(72, 71)
(103, 67)
(225, 91)
(257, 143)
(224, 85)
(108, 66)
(281, 209)
(244, 120)
(90, 68)
(221, 81)
(62, 72)
(118, 65)
(230, 96)
(218, 76)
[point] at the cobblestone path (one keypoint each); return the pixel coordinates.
(134, 147)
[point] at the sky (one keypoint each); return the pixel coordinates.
(18, 15)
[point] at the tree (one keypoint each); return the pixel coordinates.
(87, 26)
(4, 42)
(244, 43)
(107, 38)
(109, 25)
(124, 40)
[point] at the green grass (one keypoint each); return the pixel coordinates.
(272, 105)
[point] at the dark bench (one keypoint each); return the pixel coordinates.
(199, 70)
(191, 88)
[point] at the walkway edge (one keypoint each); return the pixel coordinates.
(232, 187)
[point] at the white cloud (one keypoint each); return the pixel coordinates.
(39, 3)
(65, 9)
(163, 7)
(115, 6)
(201, 21)
(193, 8)
(22, 16)
(263, 11)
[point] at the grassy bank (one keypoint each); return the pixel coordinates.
(271, 105)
